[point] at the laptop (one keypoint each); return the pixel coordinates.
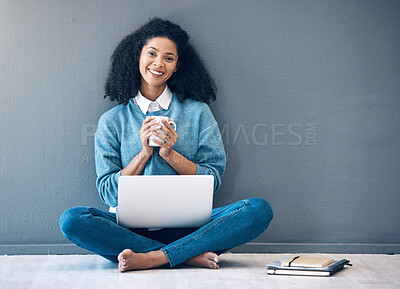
(164, 201)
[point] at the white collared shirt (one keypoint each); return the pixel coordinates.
(162, 102)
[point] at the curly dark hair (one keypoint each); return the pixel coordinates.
(191, 80)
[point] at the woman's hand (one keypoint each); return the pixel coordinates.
(145, 132)
(170, 137)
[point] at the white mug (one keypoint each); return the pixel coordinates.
(160, 118)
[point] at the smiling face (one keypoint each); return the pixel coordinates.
(157, 63)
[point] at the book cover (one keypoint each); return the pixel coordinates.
(310, 262)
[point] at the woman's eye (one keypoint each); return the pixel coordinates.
(169, 59)
(151, 53)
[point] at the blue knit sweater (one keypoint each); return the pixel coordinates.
(117, 142)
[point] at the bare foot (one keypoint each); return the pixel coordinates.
(207, 259)
(129, 260)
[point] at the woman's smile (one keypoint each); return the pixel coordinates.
(155, 73)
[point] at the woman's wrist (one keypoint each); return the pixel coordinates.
(179, 163)
(166, 155)
(144, 155)
(137, 164)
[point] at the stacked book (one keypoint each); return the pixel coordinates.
(309, 266)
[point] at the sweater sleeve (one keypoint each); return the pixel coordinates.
(108, 163)
(210, 158)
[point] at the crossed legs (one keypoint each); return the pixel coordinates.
(231, 226)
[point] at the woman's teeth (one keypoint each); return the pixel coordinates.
(155, 72)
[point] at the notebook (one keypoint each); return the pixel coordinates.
(308, 262)
(165, 201)
(276, 268)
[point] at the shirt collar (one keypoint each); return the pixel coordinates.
(164, 100)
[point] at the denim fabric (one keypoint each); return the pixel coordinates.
(232, 225)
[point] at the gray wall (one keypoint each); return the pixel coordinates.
(308, 105)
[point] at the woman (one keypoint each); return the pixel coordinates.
(155, 71)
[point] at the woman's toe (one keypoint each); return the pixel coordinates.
(212, 264)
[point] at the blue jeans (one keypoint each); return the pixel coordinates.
(232, 225)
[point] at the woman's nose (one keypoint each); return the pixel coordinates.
(157, 63)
